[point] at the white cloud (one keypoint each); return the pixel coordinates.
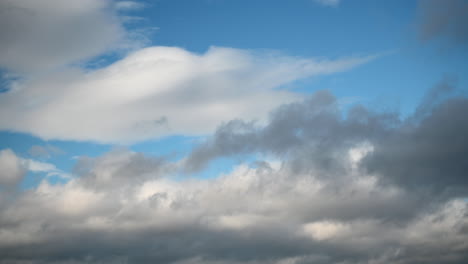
(322, 230)
(158, 91)
(43, 35)
(332, 3)
(48, 168)
(11, 168)
(128, 5)
(14, 168)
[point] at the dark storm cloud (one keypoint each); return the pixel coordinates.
(315, 124)
(444, 18)
(432, 154)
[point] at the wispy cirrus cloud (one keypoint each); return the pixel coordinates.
(332, 3)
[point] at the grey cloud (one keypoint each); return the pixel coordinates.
(433, 154)
(43, 35)
(447, 18)
(427, 150)
(331, 188)
(267, 214)
(314, 125)
(120, 167)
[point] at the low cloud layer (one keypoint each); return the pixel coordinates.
(157, 91)
(327, 190)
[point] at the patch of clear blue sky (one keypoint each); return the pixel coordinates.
(396, 81)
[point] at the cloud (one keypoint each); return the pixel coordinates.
(44, 167)
(425, 151)
(447, 19)
(332, 3)
(11, 168)
(128, 5)
(44, 152)
(315, 125)
(39, 36)
(325, 191)
(158, 91)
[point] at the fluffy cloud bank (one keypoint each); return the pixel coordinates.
(327, 192)
(157, 91)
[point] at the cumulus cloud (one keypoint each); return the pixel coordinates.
(39, 36)
(426, 150)
(321, 194)
(157, 91)
(447, 19)
(11, 168)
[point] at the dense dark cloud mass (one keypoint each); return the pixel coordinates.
(429, 149)
(328, 187)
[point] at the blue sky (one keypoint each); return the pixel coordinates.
(223, 120)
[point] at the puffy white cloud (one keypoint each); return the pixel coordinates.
(14, 168)
(11, 168)
(158, 91)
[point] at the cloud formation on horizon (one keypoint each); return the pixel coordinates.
(325, 192)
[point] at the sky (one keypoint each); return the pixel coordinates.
(234, 131)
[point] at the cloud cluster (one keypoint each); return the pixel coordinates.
(330, 188)
(426, 150)
(157, 91)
